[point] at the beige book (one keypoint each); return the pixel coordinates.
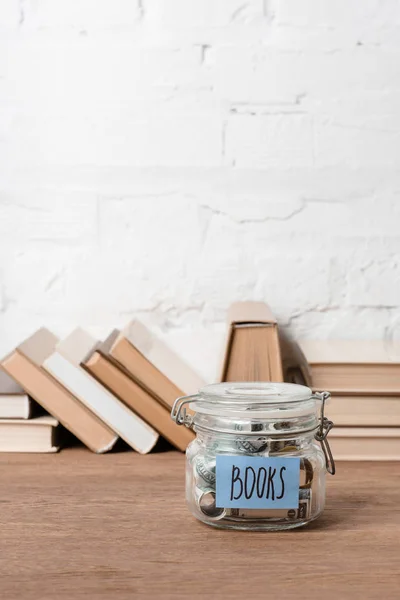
(152, 364)
(25, 365)
(14, 402)
(35, 435)
(365, 443)
(350, 351)
(367, 411)
(15, 406)
(252, 351)
(347, 367)
(138, 399)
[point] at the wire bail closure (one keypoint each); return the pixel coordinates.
(179, 413)
(325, 425)
(180, 416)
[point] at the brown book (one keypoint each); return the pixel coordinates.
(354, 367)
(25, 365)
(252, 349)
(64, 365)
(152, 364)
(365, 443)
(366, 411)
(117, 380)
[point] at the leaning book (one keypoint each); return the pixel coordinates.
(25, 365)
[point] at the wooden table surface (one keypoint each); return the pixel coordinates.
(80, 526)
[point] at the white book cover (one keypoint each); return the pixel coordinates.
(129, 426)
(77, 346)
(15, 406)
(34, 435)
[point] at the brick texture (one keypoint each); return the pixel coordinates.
(162, 158)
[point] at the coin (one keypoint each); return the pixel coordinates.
(208, 507)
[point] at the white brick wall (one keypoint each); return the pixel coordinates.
(162, 158)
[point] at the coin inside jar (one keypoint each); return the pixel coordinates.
(208, 507)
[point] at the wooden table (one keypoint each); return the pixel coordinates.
(79, 526)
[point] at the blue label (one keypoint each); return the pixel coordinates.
(257, 482)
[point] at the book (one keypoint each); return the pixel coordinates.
(367, 411)
(106, 370)
(24, 364)
(152, 364)
(365, 443)
(14, 402)
(67, 370)
(33, 435)
(294, 363)
(354, 367)
(252, 350)
(15, 406)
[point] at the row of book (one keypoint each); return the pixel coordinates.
(364, 379)
(125, 386)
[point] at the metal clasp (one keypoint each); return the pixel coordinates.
(179, 413)
(325, 425)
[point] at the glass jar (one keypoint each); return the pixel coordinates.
(260, 455)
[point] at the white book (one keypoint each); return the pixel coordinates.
(14, 402)
(15, 406)
(35, 435)
(129, 426)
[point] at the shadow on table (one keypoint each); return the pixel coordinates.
(348, 511)
(68, 440)
(161, 447)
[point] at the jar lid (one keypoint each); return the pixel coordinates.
(295, 406)
(255, 399)
(255, 393)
